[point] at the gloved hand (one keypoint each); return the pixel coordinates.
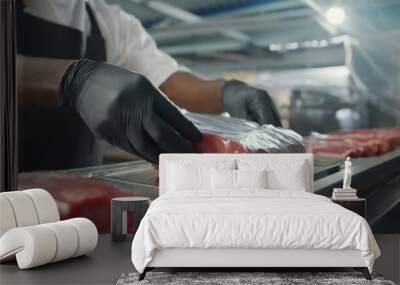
(250, 103)
(126, 110)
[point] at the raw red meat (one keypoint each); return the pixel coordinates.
(77, 196)
(331, 147)
(384, 139)
(216, 144)
(355, 143)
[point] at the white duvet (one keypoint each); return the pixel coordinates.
(250, 219)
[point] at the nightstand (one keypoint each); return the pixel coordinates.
(357, 205)
(119, 208)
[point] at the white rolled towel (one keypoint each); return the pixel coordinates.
(7, 218)
(67, 240)
(23, 208)
(40, 244)
(45, 206)
(26, 208)
(87, 235)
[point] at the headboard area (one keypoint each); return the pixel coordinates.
(280, 164)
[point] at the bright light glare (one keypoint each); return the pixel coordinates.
(335, 15)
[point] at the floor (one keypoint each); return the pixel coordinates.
(111, 259)
(389, 263)
(103, 266)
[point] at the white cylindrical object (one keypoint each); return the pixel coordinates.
(23, 208)
(40, 244)
(67, 239)
(87, 235)
(7, 218)
(45, 205)
(33, 246)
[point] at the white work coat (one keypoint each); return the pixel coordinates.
(128, 45)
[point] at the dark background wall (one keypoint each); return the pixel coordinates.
(8, 147)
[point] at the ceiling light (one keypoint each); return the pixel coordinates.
(335, 15)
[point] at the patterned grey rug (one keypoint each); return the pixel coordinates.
(243, 278)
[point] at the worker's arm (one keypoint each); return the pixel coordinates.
(216, 96)
(38, 81)
(193, 93)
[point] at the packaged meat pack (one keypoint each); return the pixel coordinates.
(234, 135)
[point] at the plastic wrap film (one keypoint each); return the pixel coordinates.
(234, 135)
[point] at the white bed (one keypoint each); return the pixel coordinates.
(248, 227)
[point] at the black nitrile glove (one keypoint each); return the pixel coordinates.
(250, 103)
(126, 110)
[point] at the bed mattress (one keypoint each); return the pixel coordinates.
(251, 219)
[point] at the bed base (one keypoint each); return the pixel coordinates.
(143, 274)
(241, 259)
(363, 270)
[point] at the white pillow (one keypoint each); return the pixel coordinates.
(289, 175)
(223, 179)
(182, 177)
(251, 178)
(227, 179)
(187, 174)
(294, 179)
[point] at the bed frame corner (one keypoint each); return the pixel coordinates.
(142, 275)
(364, 271)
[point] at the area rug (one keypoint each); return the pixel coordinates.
(244, 278)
